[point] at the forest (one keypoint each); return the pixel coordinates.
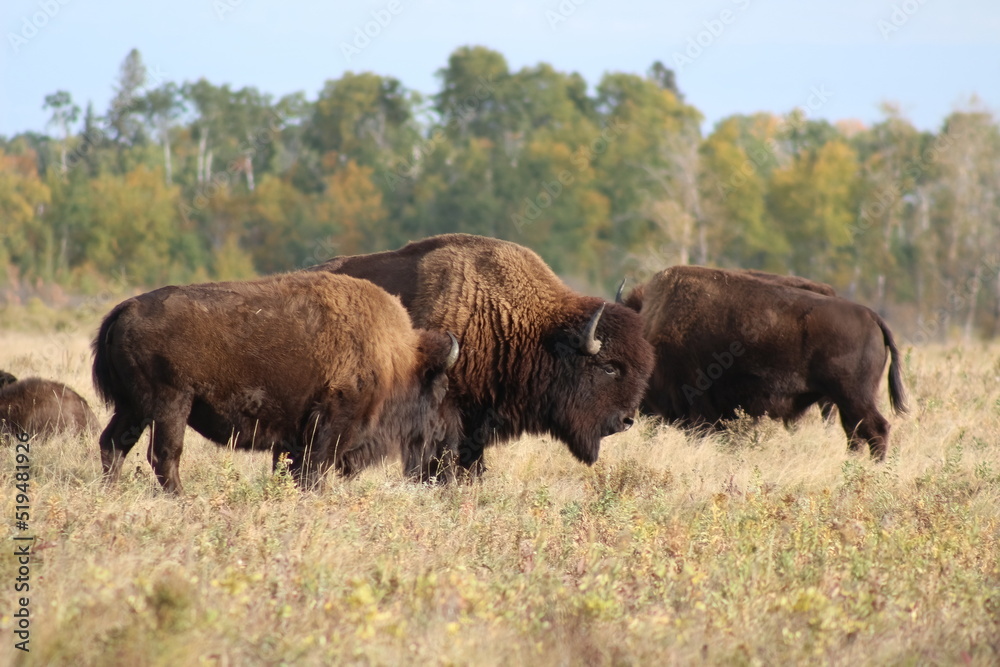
(192, 181)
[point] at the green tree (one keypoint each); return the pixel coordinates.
(364, 117)
(25, 241)
(123, 114)
(161, 107)
(64, 113)
(133, 232)
(646, 155)
(813, 200)
(737, 162)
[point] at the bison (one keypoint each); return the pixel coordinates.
(537, 357)
(36, 407)
(326, 369)
(725, 341)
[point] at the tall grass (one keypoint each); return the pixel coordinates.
(759, 546)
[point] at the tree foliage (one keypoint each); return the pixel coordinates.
(189, 180)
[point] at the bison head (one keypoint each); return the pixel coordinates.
(602, 364)
(418, 416)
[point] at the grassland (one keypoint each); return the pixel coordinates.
(760, 546)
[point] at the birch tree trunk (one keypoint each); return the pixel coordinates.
(202, 145)
(167, 164)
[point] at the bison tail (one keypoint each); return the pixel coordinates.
(103, 374)
(897, 395)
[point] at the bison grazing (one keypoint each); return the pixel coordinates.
(726, 340)
(325, 368)
(537, 357)
(37, 407)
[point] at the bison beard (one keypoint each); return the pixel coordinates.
(37, 407)
(798, 346)
(326, 369)
(537, 357)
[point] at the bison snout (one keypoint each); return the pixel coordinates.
(617, 425)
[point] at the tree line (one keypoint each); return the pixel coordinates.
(180, 182)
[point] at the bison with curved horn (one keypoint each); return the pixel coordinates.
(36, 407)
(326, 369)
(538, 358)
(726, 340)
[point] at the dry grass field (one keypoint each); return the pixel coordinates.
(760, 546)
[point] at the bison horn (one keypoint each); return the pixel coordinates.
(621, 288)
(590, 344)
(452, 353)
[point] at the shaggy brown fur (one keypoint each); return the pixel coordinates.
(792, 281)
(37, 407)
(725, 341)
(525, 367)
(309, 364)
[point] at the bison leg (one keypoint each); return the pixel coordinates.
(865, 425)
(167, 442)
(117, 440)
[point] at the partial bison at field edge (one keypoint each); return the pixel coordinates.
(537, 357)
(725, 340)
(36, 407)
(326, 369)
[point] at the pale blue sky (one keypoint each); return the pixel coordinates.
(769, 57)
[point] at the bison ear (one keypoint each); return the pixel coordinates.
(588, 341)
(618, 295)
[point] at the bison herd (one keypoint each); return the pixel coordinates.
(433, 352)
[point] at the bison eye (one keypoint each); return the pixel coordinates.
(610, 369)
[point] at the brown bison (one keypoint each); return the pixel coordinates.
(326, 369)
(537, 357)
(36, 407)
(726, 341)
